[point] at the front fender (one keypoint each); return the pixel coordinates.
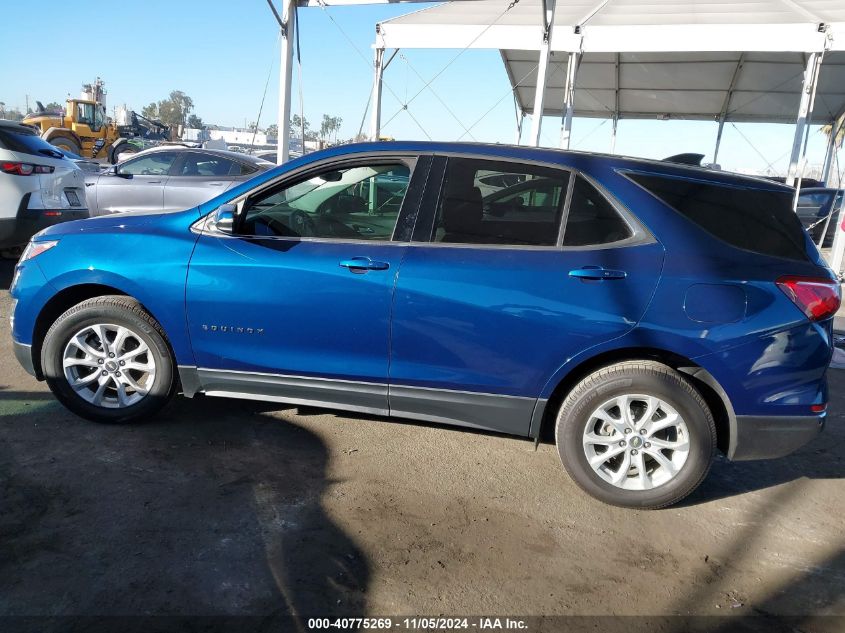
(148, 261)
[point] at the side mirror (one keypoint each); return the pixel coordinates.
(115, 171)
(224, 218)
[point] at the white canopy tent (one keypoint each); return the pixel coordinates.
(747, 60)
(719, 60)
(744, 60)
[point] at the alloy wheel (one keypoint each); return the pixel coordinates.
(636, 442)
(109, 365)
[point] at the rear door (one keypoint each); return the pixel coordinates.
(499, 289)
(198, 177)
(135, 185)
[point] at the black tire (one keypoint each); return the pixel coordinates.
(121, 148)
(66, 143)
(120, 311)
(636, 377)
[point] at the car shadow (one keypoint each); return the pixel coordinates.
(213, 508)
(7, 271)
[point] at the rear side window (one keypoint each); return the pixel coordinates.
(207, 165)
(592, 220)
(500, 203)
(26, 142)
(752, 219)
(242, 169)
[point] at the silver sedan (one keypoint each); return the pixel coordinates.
(169, 179)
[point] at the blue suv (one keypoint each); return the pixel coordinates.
(646, 313)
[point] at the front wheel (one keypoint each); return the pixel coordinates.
(107, 360)
(636, 434)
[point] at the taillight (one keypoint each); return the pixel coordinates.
(817, 298)
(25, 169)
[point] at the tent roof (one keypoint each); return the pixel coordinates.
(666, 58)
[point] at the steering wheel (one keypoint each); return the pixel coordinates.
(301, 224)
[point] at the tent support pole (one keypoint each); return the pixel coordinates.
(726, 104)
(830, 154)
(288, 27)
(718, 139)
(615, 122)
(805, 110)
(542, 71)
(375, 115)
(569, 101)
(519, 123)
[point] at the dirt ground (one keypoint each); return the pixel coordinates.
(225, 507)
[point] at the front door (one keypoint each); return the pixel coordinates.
(296, 303)
(135, 185)
(495, 295)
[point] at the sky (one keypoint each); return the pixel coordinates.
(222, 53)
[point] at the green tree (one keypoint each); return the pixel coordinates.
(195, 122)
(175, 110)
(54, 106)
(150, 111)
(272, 131)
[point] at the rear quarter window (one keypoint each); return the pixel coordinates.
(757, 220)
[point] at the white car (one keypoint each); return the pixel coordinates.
(38, 186)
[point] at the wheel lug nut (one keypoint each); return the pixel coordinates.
(622, 443)
(100, 361)
(633, 451)
(111, 355)
(122, 363)
(647, 445)
(105, 373)
(117, 373)
(642, 431)
(627, 430)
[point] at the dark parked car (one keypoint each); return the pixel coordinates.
(169, 178)
(815, 204)
(644, 313)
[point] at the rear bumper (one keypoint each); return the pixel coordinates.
(759, 437)
(23, 353)
(17, 231)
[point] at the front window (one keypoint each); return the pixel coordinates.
(153, 164)
(361, 203)
(85, 113)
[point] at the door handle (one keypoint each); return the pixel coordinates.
(153, 182)
(215, 184)
(357, 264)
(597, 273)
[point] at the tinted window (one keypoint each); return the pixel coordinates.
(757, 220)
(488, 202)
(813, 199)
(360, 202)
(26, 142)
(197, 164)
(154, 164)
(592, 219)
(242, 169)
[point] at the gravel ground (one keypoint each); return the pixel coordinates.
(225, 507)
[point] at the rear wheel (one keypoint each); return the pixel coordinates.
(67, 144)
(636, 434)
(122, 148)
(107, 360)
